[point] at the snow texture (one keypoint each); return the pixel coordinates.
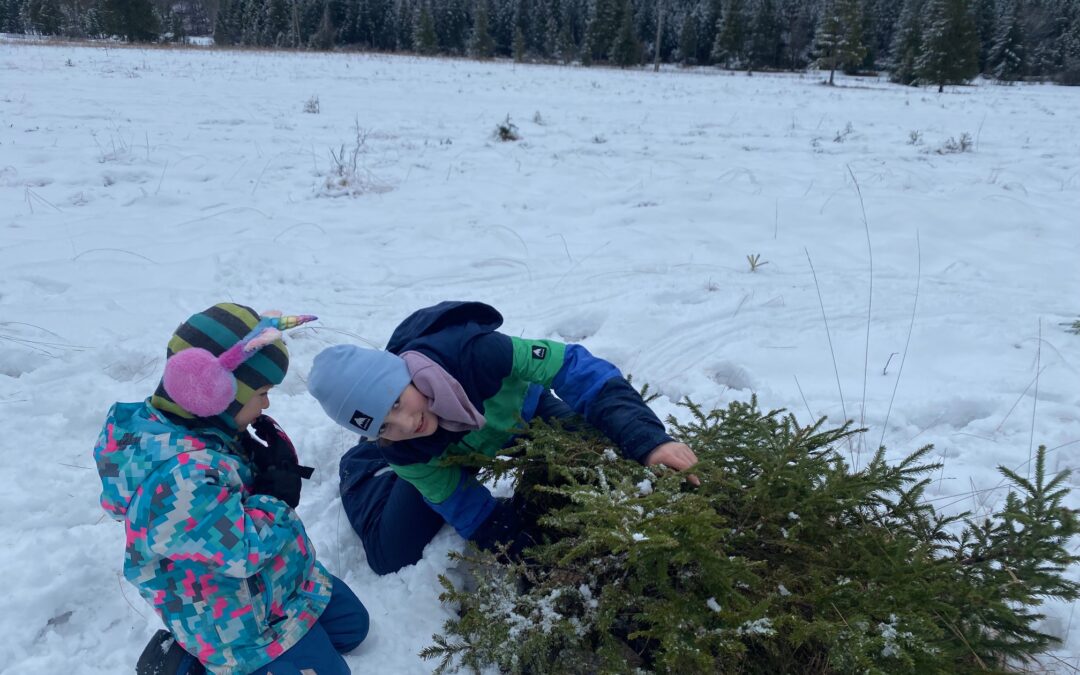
(138, 186)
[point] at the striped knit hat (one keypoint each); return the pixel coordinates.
(215, 330)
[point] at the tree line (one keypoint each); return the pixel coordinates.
(918, 41)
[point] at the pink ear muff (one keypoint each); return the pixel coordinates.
(199, 382)
(203, 384)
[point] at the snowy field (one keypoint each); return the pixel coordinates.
(139, 186)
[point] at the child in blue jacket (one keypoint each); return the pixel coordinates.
(213, 542)
(449, 383)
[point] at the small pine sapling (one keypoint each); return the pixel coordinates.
(783, 560)
(507, 131)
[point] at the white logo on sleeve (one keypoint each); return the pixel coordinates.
(539, 352)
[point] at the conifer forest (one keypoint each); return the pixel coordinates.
(929, 42)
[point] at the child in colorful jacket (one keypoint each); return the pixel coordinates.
(447, 384)
(213, 542)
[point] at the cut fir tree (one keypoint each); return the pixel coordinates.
(784, 560)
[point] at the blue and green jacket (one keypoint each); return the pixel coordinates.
(503, 377)
(232, 574)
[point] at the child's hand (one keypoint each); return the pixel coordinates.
(674, 455)
(278, 472)
(284, 484)
(281, 450)
(279, 453)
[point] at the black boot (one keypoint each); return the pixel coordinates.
(163, 655)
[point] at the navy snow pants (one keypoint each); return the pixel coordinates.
(341, 628)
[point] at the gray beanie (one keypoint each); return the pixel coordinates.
(358, 386)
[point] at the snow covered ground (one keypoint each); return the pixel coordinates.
(140, 185)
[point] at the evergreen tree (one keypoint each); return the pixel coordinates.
(13, 22)
(503, 21)
(838, 39)
(82, 18)
(533, 20)
(766, 36)
(425, 40)
(519, 45)
(377, 26)
(405, 24)
(10, 19)
(572, 26)
(604, 23)
(481, 45)
(356, 30)
(919, 40)
(688, 40)
(134, 20)
(309, 17)
(71, 19)
(782, 560)
(225, 30)
(251, 21)
(1007, 61)
(798, 19)
(348, 32)
(881, 18)
(339, 12)
(985, 13)
(94, 23)
(175, 27)
(732, 34)
(452, 25)
(1070, 70)
(522, 30)
(707, 15)
(278, 23)
(950, 47)
(185, 17)
(1042, 26)
(655, 24)
(626, 48)
(566, 48)
(367, 14)
(1072, 34)
(323, 37)
(907, 43)
(43, 16)
(550, 43)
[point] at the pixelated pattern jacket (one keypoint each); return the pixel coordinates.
(232, 574)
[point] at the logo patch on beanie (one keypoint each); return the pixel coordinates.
(539, 352)
(361, 421)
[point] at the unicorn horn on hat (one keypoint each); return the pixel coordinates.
(204, 384)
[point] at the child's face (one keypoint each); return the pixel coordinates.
(259, 402)
(410, 417)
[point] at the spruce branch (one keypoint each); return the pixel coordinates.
(784, 559)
